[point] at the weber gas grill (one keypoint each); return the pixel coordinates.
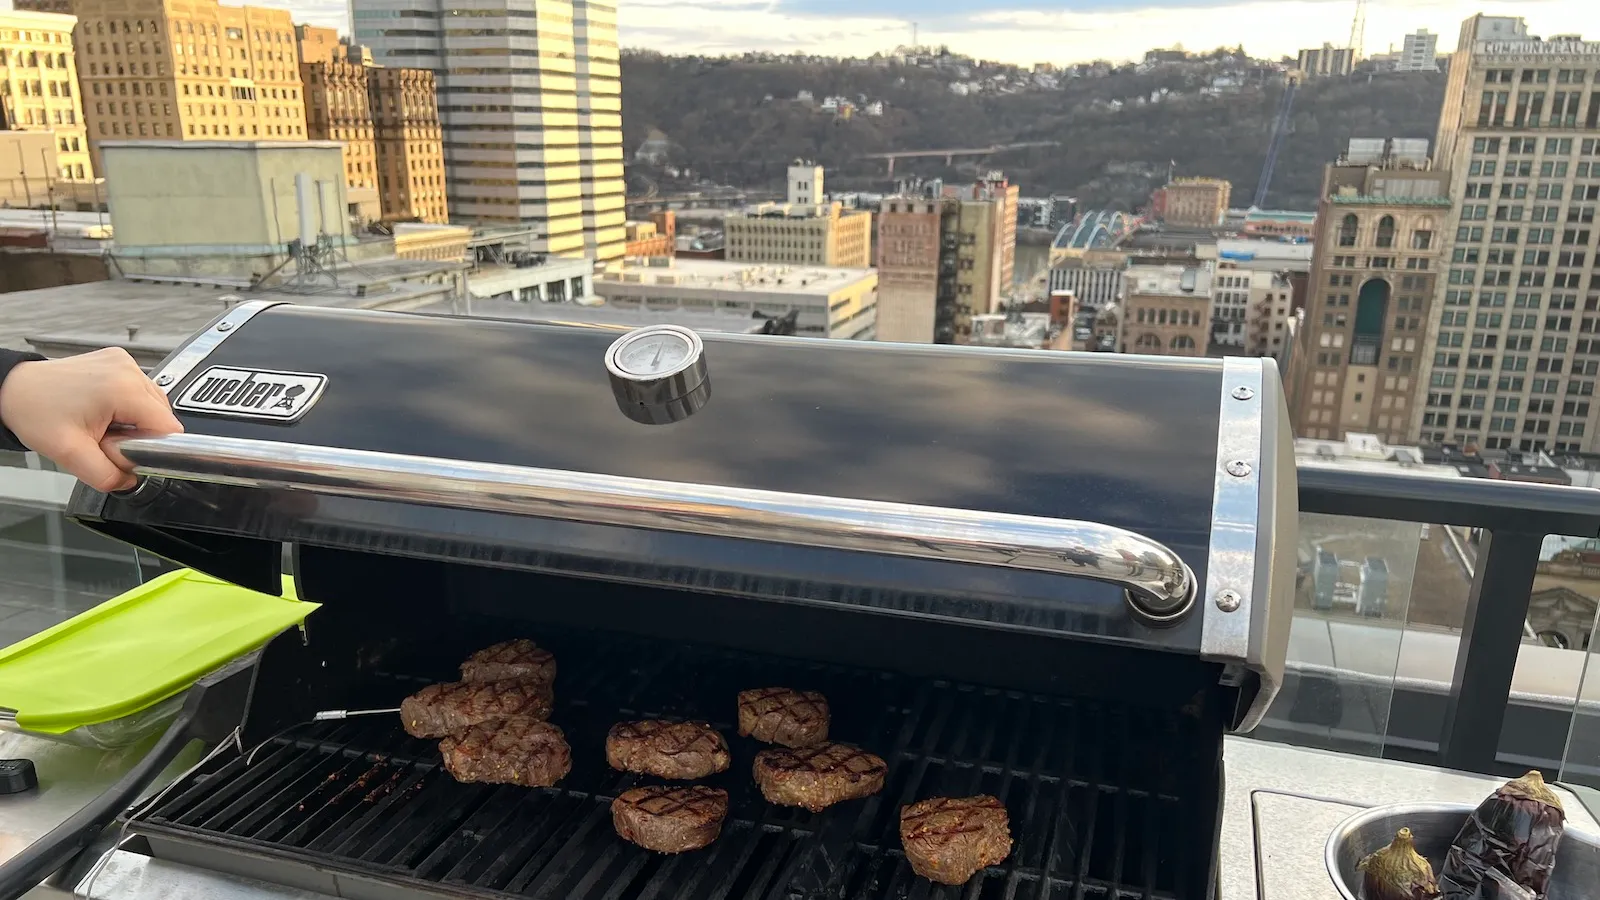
(1055, 578)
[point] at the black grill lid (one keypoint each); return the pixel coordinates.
(502, 443)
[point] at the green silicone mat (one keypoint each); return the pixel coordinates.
(138, 649)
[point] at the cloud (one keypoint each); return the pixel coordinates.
(1027, 31)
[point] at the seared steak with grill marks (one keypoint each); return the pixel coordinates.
(818, 777)
(667, 749)
(440, 709)
(783, 716)
(518, 750)
(948, 839)
(670, 819)
(520, 658)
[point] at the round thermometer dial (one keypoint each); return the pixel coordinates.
(654, 355)
(658, 373)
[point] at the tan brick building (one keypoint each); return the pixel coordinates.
(805, 231)
(1359, 360)
(39, 87)
(1193, 202)
(405, 130)
(337, 110)
(824, 235)
(190, 70)
(910, 238)
(388, 120)
(317, 44)
(1167, 311)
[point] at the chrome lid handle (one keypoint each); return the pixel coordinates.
(1160, 588)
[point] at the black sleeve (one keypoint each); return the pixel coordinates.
(8, 361)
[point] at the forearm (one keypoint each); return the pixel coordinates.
(8, 361)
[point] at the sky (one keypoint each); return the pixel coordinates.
(1030, 31)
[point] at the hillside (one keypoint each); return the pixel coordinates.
(737, 122)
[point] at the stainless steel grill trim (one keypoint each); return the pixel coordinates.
(1235, 507)
(189, 358)
(1057, 546)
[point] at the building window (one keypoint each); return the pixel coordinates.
(1386, 231)
(1347, 231)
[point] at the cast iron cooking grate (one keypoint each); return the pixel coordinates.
(1097, 794)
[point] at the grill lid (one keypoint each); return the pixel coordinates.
(917, 480)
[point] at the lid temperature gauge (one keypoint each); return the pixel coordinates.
(658, 374)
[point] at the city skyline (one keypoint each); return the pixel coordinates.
(1030, 31)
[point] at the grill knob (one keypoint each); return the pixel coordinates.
(658, 374)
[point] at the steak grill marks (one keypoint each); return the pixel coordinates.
(1097, 795)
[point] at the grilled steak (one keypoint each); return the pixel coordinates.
(667, 749)
(818, 777)
(948, 839)
(670, 819)
(520, 658)
(440, 709)
(783, 716)
(518, 750)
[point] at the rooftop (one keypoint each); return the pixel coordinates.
(160, 314)
(1173, 281)
(738, 276)
(604, 316)
(225, 145)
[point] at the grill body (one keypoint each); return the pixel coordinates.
(951, 544)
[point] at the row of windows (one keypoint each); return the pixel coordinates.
(1528, 111)
(32, 59)
(1151, 343)
(38, 88)
(1503, 424)
(43, 37)
(126, 129)
(1519, 190)
(44, 117)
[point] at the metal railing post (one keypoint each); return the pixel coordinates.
(1497, 607)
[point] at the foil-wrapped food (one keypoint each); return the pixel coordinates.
(1509, 842)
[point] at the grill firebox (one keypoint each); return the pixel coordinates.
(1101, 795)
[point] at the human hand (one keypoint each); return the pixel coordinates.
(62, 409)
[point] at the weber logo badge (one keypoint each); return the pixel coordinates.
(252, 394)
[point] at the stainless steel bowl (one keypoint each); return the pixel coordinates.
(1433, 826)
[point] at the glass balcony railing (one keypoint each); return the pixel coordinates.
(1442, 621)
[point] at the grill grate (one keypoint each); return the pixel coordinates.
(1099, 795)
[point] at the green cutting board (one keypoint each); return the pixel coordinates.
(138, 649)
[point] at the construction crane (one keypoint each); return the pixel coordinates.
(1358, 32)
(1280, 131)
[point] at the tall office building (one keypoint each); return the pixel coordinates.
(1419, 52)
(337, 110)
(405, 132)
(203, 71)
(1359, 362)
(599, 74)
(1517, 329)
(916, 262)
(531, 119)
(388, 119)
(945, 254)
(39, 87)
(1326, 60)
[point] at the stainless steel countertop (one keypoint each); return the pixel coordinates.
(69, 777)
(1296, 795)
